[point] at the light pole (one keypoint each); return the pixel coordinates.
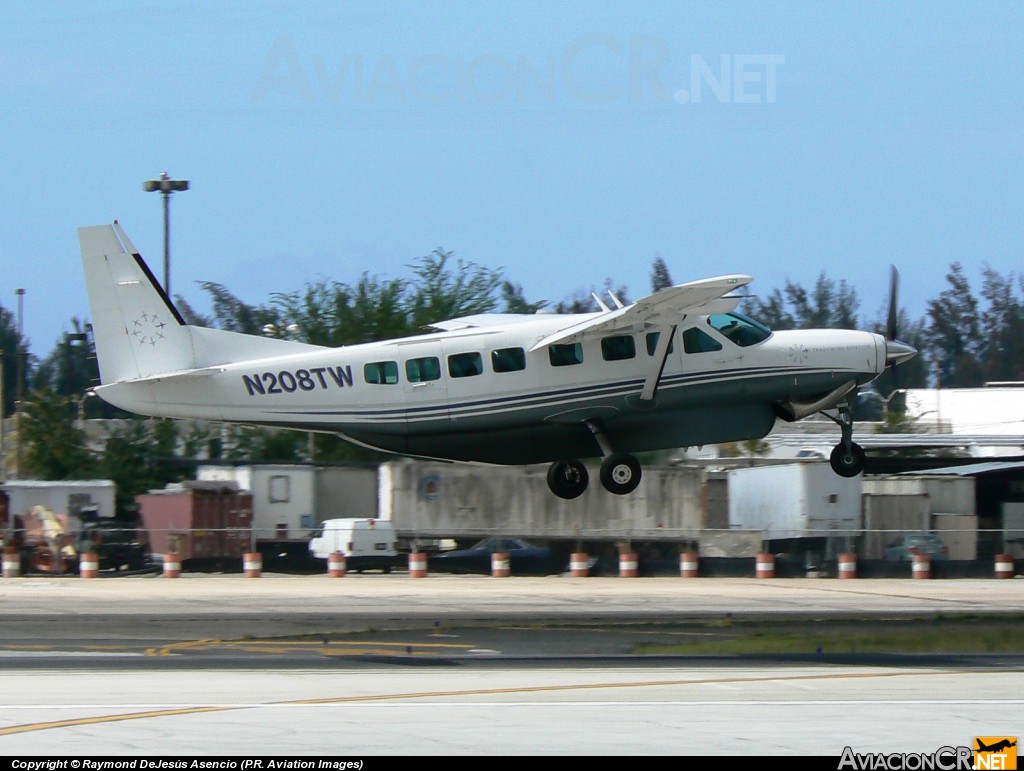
(20, 385)
(165, 186)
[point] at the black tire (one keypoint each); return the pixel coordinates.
(620, 474)
(848, 464)
(568, 478)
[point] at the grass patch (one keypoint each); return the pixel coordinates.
(935, 635)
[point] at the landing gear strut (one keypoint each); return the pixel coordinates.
(620, 472)
(848, 458)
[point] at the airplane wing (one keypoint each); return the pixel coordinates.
(481, 320)
(664, 308)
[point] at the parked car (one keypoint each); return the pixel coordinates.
(524, 558)
(909, 545)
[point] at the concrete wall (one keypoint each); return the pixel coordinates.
(447, 499)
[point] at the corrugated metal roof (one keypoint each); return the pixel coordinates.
(970, 469)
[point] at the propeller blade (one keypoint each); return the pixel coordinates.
(891, 332)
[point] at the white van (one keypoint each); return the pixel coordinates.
(368, 544)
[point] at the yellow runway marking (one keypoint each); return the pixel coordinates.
(340, 648)
(70, 723)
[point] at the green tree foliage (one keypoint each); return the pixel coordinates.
(139, 455)
(439, 293)
(10, 345)
(660, 277)
(54, 445)
(829, 305)
(954, 333)
(513, 299)
(1002, 326)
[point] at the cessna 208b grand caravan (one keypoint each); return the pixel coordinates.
(678, 368)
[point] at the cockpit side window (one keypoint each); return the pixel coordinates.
(740, 329)
(696, 340)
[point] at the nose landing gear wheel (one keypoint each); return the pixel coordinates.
(620, 474)
(847, 463)
(568, 478)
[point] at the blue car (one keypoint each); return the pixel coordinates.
(525, 559)
(910, 545)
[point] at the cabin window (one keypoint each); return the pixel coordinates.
(652, 343)
(618, 348)
(422, 370)
(698, 341)
(565, 354)
(465, 364)
(740, 329)
(381, 372)
(508, 359)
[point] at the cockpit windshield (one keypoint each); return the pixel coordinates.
(740, 329)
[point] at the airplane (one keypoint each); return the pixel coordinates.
(1002, 744)
(679, 368)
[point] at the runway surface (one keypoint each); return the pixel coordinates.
(454, 665)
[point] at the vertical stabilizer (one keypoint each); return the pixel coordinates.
(137, 330)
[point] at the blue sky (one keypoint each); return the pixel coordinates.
(565, 143)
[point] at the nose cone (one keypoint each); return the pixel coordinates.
(897, 352)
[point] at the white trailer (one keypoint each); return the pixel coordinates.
(795, 501)
(290, 501)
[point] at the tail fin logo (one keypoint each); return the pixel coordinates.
(148, 328)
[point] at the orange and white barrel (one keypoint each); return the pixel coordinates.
(920, 566)
(765, 565)
(172, 564)
(417, 564)
(12, 563)
(336, 565)
(252, 564)
(847, 565)
(629, 564)
(501, 565)
(579, 564)
(1004, 566)
(89, 565)
(689, 563)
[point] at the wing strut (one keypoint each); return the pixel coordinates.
(658, 365)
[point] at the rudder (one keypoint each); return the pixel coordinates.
(138, 331)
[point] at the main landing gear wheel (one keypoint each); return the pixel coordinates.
(620, 474)
(568, 478)
(847, 463)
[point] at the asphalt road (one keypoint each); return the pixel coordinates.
(465, 665)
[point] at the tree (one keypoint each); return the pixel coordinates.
(54, 445)
(1002, 327)
(139, 455)
(660, 277)
(514, 301)
(954, 332)
(439, 293)
(828, 306)
(10, 346)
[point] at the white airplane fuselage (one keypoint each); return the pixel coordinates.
(530, 415)
(675, 369)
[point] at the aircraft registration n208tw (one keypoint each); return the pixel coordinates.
(678, 368)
